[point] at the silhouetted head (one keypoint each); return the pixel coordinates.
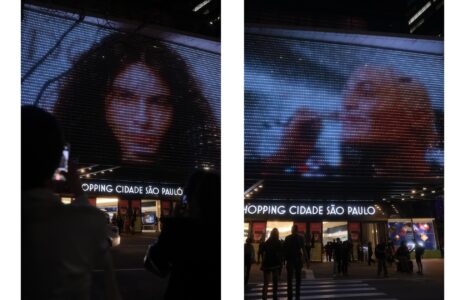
(41, 147)
(274, 234)
(203, 195)
(295, 229)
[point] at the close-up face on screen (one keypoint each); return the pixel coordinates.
(123, 98)
(318, 107)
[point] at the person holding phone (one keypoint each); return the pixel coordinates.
(61, 244)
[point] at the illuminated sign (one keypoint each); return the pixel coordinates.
(309, 210)
(132, 189)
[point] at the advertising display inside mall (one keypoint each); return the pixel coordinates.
(342, 105)
(124, 97)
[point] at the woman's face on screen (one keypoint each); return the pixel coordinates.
(139, 112)
(373, 112)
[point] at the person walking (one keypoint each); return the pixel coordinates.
(390, 252)
(259, 254)
(249, 259)
(120, 223)
(328, 249)
(295, 254)
(380, 254)
(419, 251)
(272, 258)
(337, 256)
(369, 253)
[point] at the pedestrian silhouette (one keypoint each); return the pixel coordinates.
(272, 258)
(337, 255)
(381, 255)
(370, 252)
(419, 251)
(249, 259)
(295, 255)
(196, 271)
(61, 244)
(345, 257)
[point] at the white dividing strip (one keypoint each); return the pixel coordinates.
(314, 282)
(333, 296)
(367, 289)
(305, 287)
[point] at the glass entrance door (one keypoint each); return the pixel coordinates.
(284, 228)
(334, 230)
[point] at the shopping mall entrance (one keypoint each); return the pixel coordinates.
(318, 233)
(284, 228)
(334, 230)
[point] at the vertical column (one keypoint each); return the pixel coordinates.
(258, 233)
(354, 233)
(316, 241)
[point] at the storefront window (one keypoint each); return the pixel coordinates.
(334, 230)
(424, 233)
(412, 231)
(150, 210)
(108, 205)
(284, 228)
(258, 231)
(246, 231)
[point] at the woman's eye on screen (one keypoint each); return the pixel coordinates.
(160, 100)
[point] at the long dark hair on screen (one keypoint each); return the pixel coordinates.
(81, 104)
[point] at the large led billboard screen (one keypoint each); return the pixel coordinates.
(124, 95)
(342, 105)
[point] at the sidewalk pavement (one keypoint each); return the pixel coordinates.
(433, 269)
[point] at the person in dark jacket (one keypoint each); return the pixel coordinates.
(380, 254)
(403, 255)
(295, 254)
(198, 268)
(259, 254)
(249, 259)
(345, 257)
(369, 253)
(272, 259)
(328, 249)
(337, 256)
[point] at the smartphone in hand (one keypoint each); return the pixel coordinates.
(63, 169)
